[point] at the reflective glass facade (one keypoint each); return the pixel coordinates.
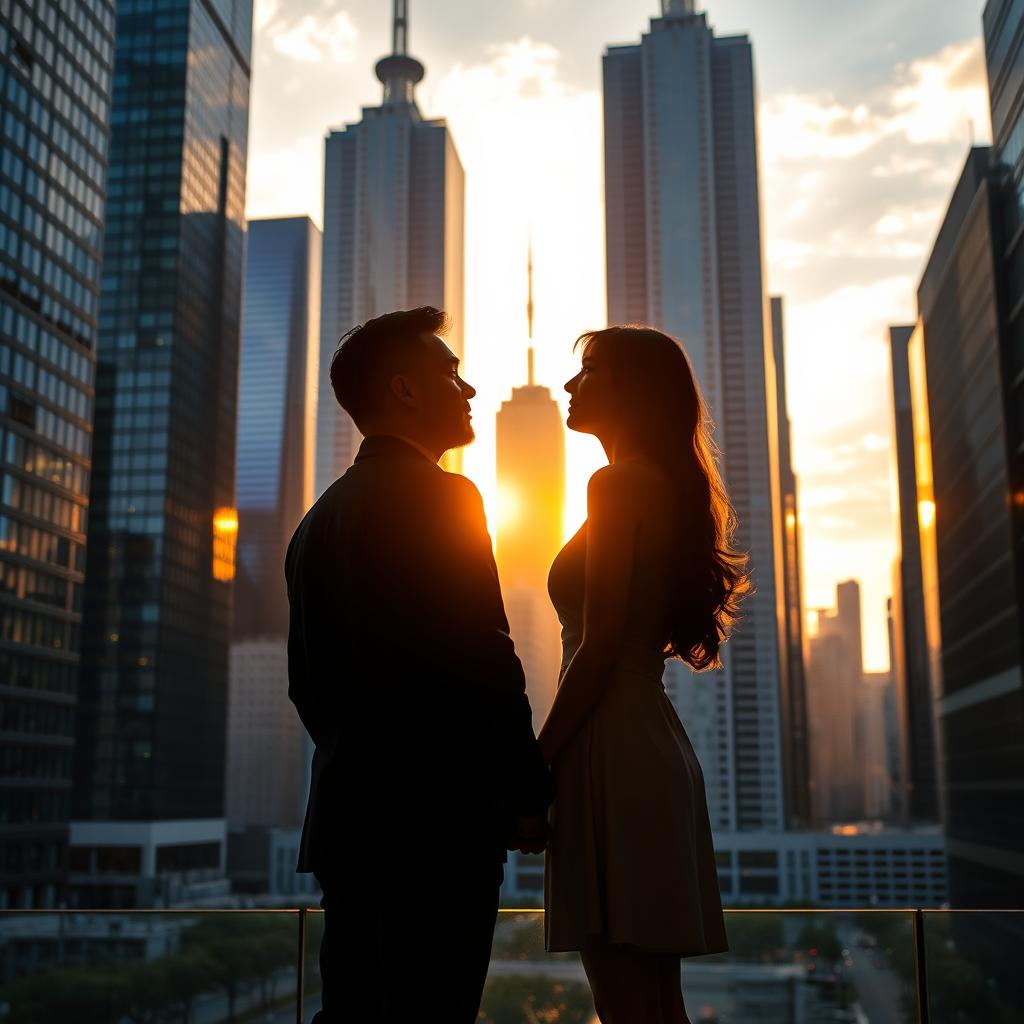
(683, 228)
(151, 724)
(55, 81)
(276, 413)
(979, 684)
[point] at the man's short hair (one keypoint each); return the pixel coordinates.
(368, 355)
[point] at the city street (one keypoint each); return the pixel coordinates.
(879, 989)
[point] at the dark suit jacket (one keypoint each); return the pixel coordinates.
(402, 669)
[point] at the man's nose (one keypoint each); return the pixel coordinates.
(468, 390)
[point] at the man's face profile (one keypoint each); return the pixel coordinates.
(442, 396)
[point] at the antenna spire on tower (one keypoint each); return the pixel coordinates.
(677, 8)
(400, 28)
(399, 72)
(529, 311)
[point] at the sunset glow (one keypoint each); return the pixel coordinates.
(856, 166)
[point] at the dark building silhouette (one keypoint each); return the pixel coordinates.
(977, 675)
(55, 82)
(796, 763)
(151, 725)
(917, 794)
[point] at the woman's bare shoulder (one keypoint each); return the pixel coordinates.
(634, 483)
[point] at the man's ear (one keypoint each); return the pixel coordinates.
(402, 389)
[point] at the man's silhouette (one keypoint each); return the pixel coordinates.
(402, 670)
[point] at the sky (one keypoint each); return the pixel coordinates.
(866, 107)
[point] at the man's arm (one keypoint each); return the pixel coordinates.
(459, 604)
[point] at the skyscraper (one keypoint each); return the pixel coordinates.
(683, 226)
(795, 739)
(918, 795)
(149, 775)
(530, 440)
(966, 362)
(835, 679)
(393, 230)
(55, 83)
(274, 488)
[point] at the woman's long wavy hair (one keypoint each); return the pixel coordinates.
(668, 419)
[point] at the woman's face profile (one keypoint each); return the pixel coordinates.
(592, 394)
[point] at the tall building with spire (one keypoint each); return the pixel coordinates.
(393, 230)
(530, 439)
(683, 232)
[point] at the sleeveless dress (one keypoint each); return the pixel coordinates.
(630, 858)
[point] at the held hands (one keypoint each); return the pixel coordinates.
(530, 834)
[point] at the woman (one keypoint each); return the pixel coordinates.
(630, 878)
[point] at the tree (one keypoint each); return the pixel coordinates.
(188, 974)
(756, 937)
(525, 999)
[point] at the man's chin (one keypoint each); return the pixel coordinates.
(467, 435)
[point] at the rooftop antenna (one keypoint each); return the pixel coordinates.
(399, 73)
(677, 8)
(529, 310)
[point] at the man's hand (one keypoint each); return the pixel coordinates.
(530, 834)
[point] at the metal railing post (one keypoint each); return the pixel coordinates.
(920, 968)
(300, 992)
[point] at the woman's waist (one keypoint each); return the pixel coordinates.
(633, 659)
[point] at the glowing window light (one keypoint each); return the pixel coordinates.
(225, 536)
(926, 513)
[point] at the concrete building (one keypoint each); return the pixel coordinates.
(152, 715)
(393, 231)
(851, 866)
(835, 678)
(684, 253)
(530, 439)
(56, 63)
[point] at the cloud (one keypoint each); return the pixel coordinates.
(311, 39)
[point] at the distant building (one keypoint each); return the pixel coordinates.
(276, 437)
(152, 716)
(684, 253)
(918, 796)
(530, 440)
(393, 231)
(795, 738)
(56, 64)
(835, 678)
(873, 744)
(850, 866)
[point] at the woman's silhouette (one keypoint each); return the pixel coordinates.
(630, 877)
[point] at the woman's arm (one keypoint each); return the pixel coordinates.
(613, 514)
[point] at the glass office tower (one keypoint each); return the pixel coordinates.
(55, 80)
(683, 227)
(151, 721)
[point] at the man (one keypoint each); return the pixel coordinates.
(400, 665)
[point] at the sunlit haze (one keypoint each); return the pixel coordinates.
(866, 113)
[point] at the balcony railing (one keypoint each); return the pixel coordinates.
(784, 967)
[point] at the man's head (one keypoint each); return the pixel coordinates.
(395, 375)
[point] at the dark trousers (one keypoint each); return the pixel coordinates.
(403, 945)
